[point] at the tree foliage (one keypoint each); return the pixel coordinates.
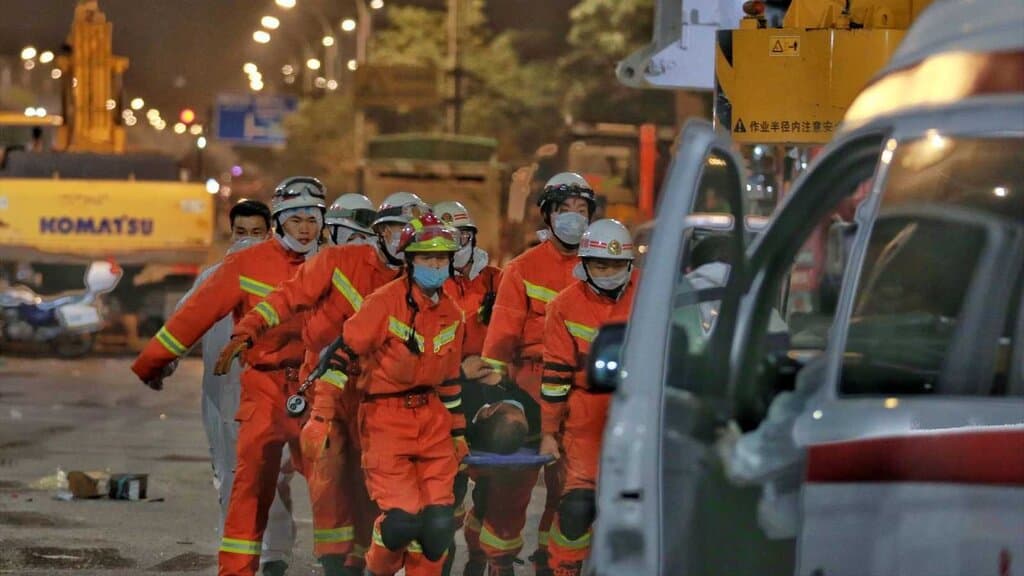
(602, 33)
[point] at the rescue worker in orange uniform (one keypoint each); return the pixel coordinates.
(602, 295)
(408, 337)
(332, 287)
(272, 364)
(514, 349)
(474, 288)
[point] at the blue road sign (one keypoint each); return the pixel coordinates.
(253, 119)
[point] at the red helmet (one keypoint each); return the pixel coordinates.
(428, 234)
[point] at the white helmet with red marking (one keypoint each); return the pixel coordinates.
(608, 239)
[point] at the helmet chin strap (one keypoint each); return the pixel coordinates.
(382, 247)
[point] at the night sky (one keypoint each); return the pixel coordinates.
(205, 42)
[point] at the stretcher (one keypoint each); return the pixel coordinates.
(524, 458)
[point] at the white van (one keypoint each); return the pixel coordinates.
(879, 428)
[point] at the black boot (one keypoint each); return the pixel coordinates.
(274, 568)
(541, 563)
(334, 565)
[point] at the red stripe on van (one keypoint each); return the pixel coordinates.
(982, 457)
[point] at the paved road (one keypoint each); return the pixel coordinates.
(92, 415)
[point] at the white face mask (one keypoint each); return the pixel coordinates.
(613, 282)
(569, 227)
(463, 256)
(296, 246)
(392, 243)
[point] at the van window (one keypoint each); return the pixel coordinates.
(948, 206)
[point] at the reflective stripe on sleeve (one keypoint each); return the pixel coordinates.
(554, 391)
(336, 378)
(170, 342)
(538, 292)
(402, 330)
(487, 537)
(581, 331)
(444, 337)
(341, 284)
(255, 287)
(498, 366)
(268, 313)
(236, 546)
(334, 535)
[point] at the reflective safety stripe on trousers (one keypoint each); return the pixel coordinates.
(563, 542)
(334, 535)
(344, 286)
(236, 546)
(402, 330)
(254, 287)
(538, 292)
(487, 537)
(170, 342)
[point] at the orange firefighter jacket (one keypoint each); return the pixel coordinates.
(529, 282)
(378, 334)
(574, 317)
(332, 286)
(239, 285)
(469, 296)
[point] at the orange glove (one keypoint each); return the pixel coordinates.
(236, 346)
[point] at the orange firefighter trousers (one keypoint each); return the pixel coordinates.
(499, 532)
(343, 513)
(410, 463)
(264, 428)
(581, 443)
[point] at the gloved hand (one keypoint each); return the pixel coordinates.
(549, 446)
(157, 383)
(474, 368)
(236, 346)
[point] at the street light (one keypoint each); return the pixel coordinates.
(286, 4)
(255, 77)
(320, 82)
(28, 52)
(327, 41)
(153, 114)
(249, 68)
(137, 103)
(56, 73)
(376, 4)
(256, 85)
(261, 36)
(201, 142)
(332, 85)
(287, 70)
(348, 25)
(270, 23)
(353, 65)
(110, 104)
(187, 116)
(46, 57)
(212, 186)
(313, 64)
(195, 129)
(180, 128)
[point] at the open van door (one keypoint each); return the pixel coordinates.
(687, 388)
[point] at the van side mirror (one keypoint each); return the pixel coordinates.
(605, 362)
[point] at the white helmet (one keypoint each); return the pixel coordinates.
(454, 214)
(563, 186)
(607, 239)
(400, 207)
(298, 192)
(353, 211)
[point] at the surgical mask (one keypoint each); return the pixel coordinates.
(392, 243)
(340, 235)
(298, 247)
(614, 282)
(463, 256)
(429, 278)
(569, 227)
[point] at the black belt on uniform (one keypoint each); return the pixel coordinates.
(414, 397)
(289, 367)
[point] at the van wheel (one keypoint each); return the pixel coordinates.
(70, 346)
